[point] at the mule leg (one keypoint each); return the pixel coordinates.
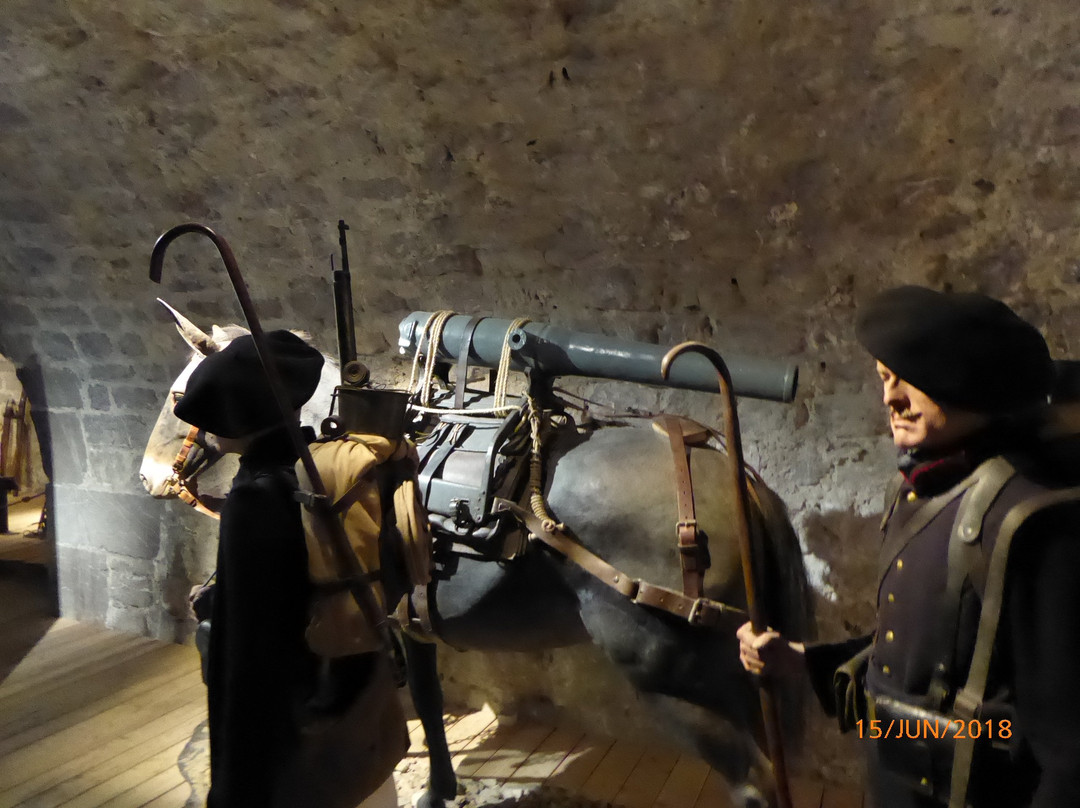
(426, 691)
(726, 747)
(693, 677)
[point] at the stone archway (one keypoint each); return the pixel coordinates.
(23, 479)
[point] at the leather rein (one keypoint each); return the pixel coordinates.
(184, 478)
(691, 604)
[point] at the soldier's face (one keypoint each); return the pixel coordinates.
(917, 421)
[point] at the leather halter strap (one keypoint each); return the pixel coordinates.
(185, 483)
(698, 611)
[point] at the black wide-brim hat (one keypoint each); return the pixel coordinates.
(967, 351)
(228, 393)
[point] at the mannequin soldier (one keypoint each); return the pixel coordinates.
(259, 668)
(965, 383)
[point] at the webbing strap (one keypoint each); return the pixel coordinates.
(969, 700)
(965, 559)
(463, 361)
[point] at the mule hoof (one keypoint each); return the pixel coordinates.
(428, 799)
(749, 797)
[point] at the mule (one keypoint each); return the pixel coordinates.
(613, 487)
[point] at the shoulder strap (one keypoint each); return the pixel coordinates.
(965, 561)
(895, 541)
(892, 494)
(969, 700)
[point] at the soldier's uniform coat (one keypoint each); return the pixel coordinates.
(1036, 665)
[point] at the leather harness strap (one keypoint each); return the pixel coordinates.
(187, 488)
(699, 611)
(693, 551)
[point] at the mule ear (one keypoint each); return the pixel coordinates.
(219, 334)
(198, 339)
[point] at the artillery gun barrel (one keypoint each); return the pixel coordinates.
(557, 351)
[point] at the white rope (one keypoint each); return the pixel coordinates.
(432, 331)
(444, 411)
(504, 362)
(431, 335)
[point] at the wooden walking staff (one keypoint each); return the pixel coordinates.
(348, 564)
(770, 716)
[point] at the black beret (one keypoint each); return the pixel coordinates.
(228, 393)
(963, 350)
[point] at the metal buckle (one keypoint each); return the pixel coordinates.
(309, 499)
(695, 612)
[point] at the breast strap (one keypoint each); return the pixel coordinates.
(966, 562)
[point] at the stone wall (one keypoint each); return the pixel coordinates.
(733, 172)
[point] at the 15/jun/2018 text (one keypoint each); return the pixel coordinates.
(915, 729)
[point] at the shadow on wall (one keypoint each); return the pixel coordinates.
(849, 544)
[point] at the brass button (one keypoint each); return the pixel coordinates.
(899, 563)
(889, 636)
(912, 496)
(886, 670)
(892, 598)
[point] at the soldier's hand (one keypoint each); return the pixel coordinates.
(769, 654)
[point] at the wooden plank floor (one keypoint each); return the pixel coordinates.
(90, 718)
(22, 542)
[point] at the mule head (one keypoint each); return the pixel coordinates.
(156, 471)
(169, 432)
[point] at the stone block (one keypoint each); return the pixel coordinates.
(143, 399)
(131, 582)
(33, 261)
(66, 445)
(57, 345)
(65, 316)
(63, 389)
(94, 345)
(120, 430)
(18, 346)
(116, 468)
(131, 344)
(128, 619)
(99, 397)
(123, 523)
(112, 371)
(82, 582)
(16, 314)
